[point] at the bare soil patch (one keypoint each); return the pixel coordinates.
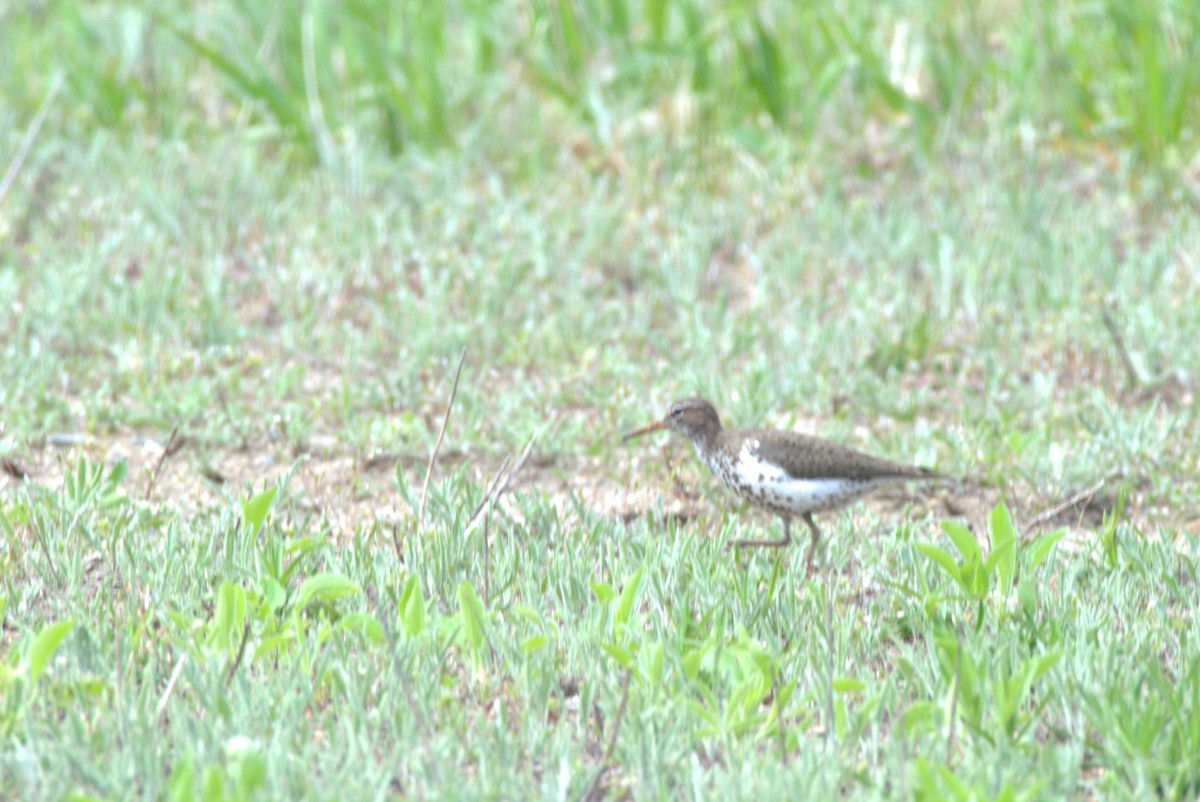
(351, 493)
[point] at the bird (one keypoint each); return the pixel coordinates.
(783, 472)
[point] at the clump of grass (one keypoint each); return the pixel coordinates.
(328, 77)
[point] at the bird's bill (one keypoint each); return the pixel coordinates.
(650, 427)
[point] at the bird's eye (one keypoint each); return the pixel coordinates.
(676, 412)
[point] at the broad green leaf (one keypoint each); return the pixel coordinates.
(117, 474)
(1004, 547)
(44, 645)
(180, 784)
(255, 508)
(273, 593)
(213, 786)
(604, 592)
(226, 628)
(625, 605)
(703, 713)
(471, 611)
(14, 516)
(920, 714)
(275, 643)
(655, 664)
(304, 545)
(1040, 548)
(324, 587)
(848, 685)
(1027, 595)
(621, 654)
(784, 693)
(533, 643)
(1045, 663)
(943, 560)
(248, 771)
(413, 608)
(998, 562)
(410, 587)
(975, 576)
(364, 624)
(963, 540)
(526, 613)
(692, 662)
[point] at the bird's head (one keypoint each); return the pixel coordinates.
(694, 418)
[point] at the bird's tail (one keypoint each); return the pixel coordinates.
(934, 476)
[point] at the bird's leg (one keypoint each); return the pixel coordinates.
(773, 544)
(812, 546)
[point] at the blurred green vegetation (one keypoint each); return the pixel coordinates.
(320, 76)
(945, 232)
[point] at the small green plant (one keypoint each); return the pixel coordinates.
(472, 616)
(978, 577)
(732, 678)
(412, 608)
(238, 779)
(255, 508)
(1108, 531)
(624, 638)
(18, 679)
(990, 693)
(933, 781)
(1150, 723)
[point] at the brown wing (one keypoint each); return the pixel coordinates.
(806, 457)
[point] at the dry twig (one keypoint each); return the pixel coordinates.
(30, 135)
(612, 739)
(499, 485)
(496, 488)
(237, 658)
(173, 445)
(166, 694)
(244, 443)
(1082, 497)
(438, 445)
(1131, 374)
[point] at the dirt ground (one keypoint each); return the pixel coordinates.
(352, 493)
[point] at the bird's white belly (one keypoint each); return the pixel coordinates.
(767, 485)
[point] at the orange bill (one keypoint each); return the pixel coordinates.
(651, 427)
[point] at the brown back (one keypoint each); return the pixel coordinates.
(807, 457)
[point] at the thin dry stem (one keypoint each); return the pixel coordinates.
(237, 658)
(1131, 374)
(30, 135)
(243, 442)
(172, 446)
(1082, 497)
(438, 445)
(499, 485)
(166, 694)
(612, 739)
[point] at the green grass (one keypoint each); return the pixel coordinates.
(960, 236)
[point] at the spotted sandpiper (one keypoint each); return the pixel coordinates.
(786, 473)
